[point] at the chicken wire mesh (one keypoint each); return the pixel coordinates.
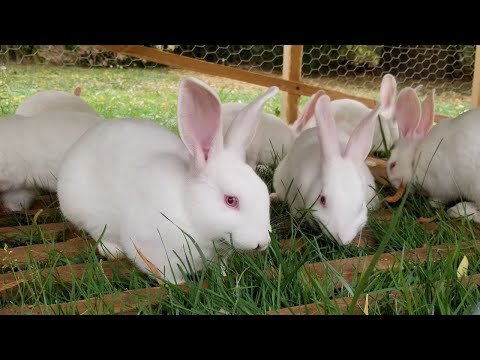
(351, 69)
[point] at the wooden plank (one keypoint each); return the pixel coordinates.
(22, 255)
(292, 70)
(124, 302)
(353, 267)
(475, 100)
(344, 302)
(46, 214)
(178, 61)
(291, 244)
(109, 304)
(9, 282)
(48, 230)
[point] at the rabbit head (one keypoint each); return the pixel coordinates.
(414, 122)
(226, 196)
(339, 196)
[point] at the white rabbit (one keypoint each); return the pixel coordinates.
(274, 137)
(326, 171)
(148, 188)
(31, 149)
(443, 160)
(349, 113)
(54, 100)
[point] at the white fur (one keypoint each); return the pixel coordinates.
(53, 100)
(349, 113)
(274, 137)
(147, 187)
(31, 149)
(347, 183)
(444, 159)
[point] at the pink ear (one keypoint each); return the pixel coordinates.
(418, 88)
(407, 112)
(361, 139)
(428, 114)
(199, 121)
(77, 91)
(307, 112)
(326, 128)
(388, 92)
(242, 130)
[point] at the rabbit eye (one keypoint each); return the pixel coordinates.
(231, 201)
(392, 165)
(323, 200)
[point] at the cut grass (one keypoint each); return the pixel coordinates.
(430, 287)
(249, 287)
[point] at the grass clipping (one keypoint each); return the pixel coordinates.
(152, 267)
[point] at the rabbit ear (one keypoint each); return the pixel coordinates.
(307, 112)
(361, 139)
(388, 92)
(428, 114)
(326, 128)
(407, 112)
(242, 130)
(418, 88)
(199, 122)
(77, 91)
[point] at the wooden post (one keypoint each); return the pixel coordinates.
(292, 70)
(475, 102)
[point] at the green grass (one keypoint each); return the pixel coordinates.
(151, 93)
(116, 93)
(246, 289)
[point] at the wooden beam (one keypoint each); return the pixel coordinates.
(26, 229)
(344, 302)
(292, 70)
(20, 256)
(65, 275)
(475, 101)
(119, 303)
(179, 61)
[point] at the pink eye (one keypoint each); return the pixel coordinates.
(231, 201)
(323, 201)
(392, 165)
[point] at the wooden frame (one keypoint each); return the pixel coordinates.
(292, 87)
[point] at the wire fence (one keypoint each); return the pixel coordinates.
(352, 69)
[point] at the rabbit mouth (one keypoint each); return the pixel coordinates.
(229, 244)
(226, 240)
